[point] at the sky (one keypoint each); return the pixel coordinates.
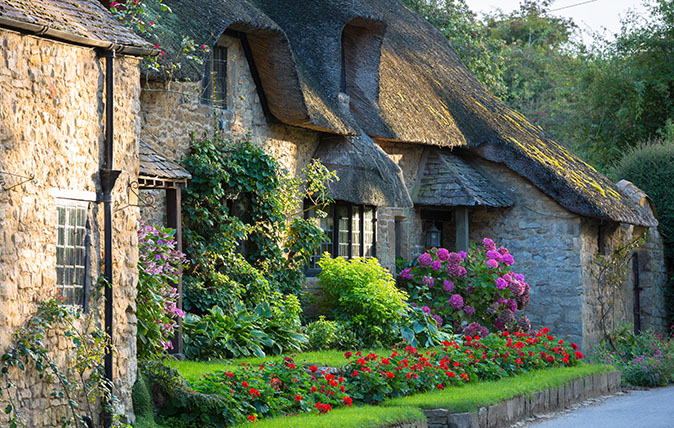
(590, 15)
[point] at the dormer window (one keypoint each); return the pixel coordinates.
(215, 84)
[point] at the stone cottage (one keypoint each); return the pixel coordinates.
(63, 140)
(426, 157)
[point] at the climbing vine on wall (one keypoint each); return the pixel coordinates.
(79, 380)
(245, 231)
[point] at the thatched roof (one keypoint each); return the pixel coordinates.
(422, 92)
(638, 196)
(294, 95)
(366, 174)
(153, 165)
(84, 21)
(447, 180)
(427, 95)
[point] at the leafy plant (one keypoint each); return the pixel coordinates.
(159, 265)
(363, 293)
(322, 334)
(644, 359)
(80, 382)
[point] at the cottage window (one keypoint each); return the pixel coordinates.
(215, 90)
(72, 250)
(350, 230)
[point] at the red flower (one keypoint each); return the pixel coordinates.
(298, 398)
(574, 346)
(355, 373)
(314, 389)
(313, 368)
(347, 400)
(254, 392)
(244, 384)
(251, 418)
(579, 355)
(348, 354)
(323, 407)
(519, 361)
(440, 386)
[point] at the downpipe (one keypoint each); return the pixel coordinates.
(108, 177)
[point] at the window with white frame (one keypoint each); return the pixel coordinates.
(72, 250)
(350, 230)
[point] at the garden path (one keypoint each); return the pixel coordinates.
(653, 408)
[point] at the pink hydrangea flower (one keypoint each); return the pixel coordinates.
(456, 301)
(425, 259)
(405, 274)
(501, 283)
(428, 281)
(436, 265)
(488, 244)
(492, 264)
(448, 286)
(443, 254)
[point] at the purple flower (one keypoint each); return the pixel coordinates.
(438, 319)
(470, 290)
(443, 254)
(512, 304)
(488, 244)
(519, 277)
(454, 258)
(405, 274)
(428, 281)
(493, 254)
(468, 310)
(501, 283)
(436, 265)
(503, 251)
(516, 288)
(507, 260)
(491, 263)
(448, 286)
(456, 301)
(426, 309)
(425, 259)
(463, 255)
(475, 329)
(456, 271)
(524, 324)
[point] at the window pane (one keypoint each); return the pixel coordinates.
(70, 251)
(368, 232)
(327, 224)
(343, 239)
(355, 232)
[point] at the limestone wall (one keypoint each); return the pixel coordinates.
(51, 126)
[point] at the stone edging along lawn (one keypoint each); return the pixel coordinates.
(522, 407)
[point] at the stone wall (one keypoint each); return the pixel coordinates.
(51, 127)
(653, 282)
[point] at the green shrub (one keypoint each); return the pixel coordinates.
(649, 167)
(644, 359)
(242, 333)
(322, 334)
(363, 293)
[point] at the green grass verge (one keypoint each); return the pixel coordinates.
(472, 396)
(194, 370)
(351, 417)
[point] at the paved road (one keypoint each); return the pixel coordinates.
(637, 409)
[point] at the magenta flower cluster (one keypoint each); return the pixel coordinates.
(479, 292)
(159, 267)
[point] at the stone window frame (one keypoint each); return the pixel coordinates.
(355, 218)
(73, 202)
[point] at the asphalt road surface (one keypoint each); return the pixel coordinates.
(653, 408)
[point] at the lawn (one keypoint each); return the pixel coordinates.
(472, 396)
(194, 370)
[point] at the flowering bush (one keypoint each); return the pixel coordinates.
(475, 292)
(644, 359)
(373, 378)
(159, 264)
(283, 388)
(275, 389)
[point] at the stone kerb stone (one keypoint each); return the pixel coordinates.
(521, 407)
